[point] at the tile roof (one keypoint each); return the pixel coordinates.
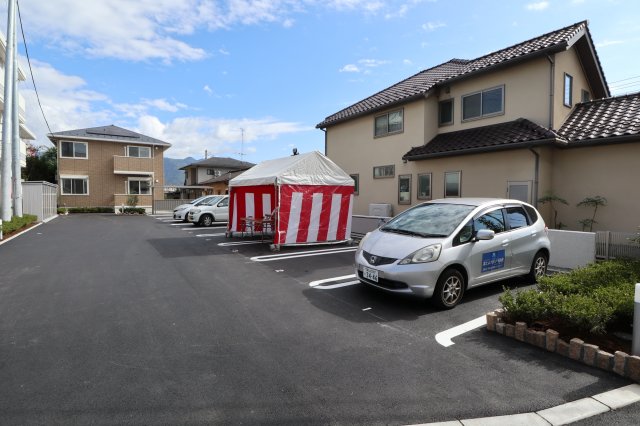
(512, 134)
(111, 133)
(420, 83)
(605, 118)
(224, 162)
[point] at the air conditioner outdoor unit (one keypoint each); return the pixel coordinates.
(380, 209)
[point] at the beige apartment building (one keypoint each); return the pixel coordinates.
(103, 166)
(532, 119)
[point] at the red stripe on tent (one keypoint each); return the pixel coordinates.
(325, 216)
(344, 217)
(305, 216)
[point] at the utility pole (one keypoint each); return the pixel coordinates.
(242, 144)
(5, 185)
(15, 112)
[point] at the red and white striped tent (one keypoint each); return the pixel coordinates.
(310, 196)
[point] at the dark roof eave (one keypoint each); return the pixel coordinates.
(325, 124)
(486, 149)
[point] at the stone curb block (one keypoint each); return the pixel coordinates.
(620, 363)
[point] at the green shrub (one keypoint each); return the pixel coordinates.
(63, 210)
(132, 210)
(17, 223)
(591, 299)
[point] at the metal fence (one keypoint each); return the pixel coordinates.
(616, 245)
(40, 199)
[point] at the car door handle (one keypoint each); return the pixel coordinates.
(505, 243)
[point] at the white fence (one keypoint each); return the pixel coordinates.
(40, 199)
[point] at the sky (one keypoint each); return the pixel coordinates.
(250, 79)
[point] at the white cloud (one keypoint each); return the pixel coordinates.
(432, 26)
(609, 43)
(372, 63)
(538, 6)
(350, 68)
(407, 62)
(208, 89)
(224, 52)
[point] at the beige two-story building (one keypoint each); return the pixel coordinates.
(533, 119)
(104, 166)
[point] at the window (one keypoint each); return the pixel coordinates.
(445, 112)
(452, 184)
(139, 151)
(568, 90)
(391, 122)
(404, 189)
(517, 217)
(384, 171)
(74, 185)
(356, 183)
(493, 220)
(139, 186)
(424, 186)
(73, 149)
(585, 95)
(483, 104)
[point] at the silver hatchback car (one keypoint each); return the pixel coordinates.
(441, 248)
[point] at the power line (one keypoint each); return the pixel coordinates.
(35, 88)
(624, 79)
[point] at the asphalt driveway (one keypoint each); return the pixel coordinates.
(110, 319)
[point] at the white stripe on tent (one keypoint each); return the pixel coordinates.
(249, 205)
(336, 200)
(314, 222)
(294, 218)
(266, 204)
(348, 233)
(234, 219)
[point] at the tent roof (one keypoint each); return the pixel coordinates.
(311, 168)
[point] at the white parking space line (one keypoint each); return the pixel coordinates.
(210, 235)
(181, 224)
(216, 228)
(321, 284)
(444, 338)
(239, 243)
(295, 255)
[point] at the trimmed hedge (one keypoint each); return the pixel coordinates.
(132, 210)
(63, 210)
(595, 299)
(17, 223)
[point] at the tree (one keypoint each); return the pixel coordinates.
(41, 164)
(594, 202)
(552, 198)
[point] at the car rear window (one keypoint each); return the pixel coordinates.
(533, 215)
(517, 217)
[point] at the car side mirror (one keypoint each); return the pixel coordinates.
(484, 234)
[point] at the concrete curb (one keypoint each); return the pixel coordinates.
(560, 415)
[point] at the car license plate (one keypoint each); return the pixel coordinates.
(370, 274)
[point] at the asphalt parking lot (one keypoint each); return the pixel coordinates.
(110, 319)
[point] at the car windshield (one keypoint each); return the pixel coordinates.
(210, 201)
(197, 200)
(204, 200)
(431, 220)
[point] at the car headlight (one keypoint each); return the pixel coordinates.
(361, 243)
(424, 255)
(194, 211)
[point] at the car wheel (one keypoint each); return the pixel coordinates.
(206, 220)
(538, 267)
(449, 289)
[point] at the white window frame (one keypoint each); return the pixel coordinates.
(459, 173)
(86, 149)
(73, 177)
(482, 114)
(389, 167)
(567, 97)
(136, 179)
(139, 147)
(418, 194)
(387, 114)
(401, 200)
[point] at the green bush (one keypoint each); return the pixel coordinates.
(17, 223)
(132, 210)
(63, 210)
(592, 299)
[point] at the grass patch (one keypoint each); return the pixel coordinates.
(17, 223)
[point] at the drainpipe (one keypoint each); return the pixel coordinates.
(552, 70)
(536, 176)
(325, 141)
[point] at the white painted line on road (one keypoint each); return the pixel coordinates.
(211, 227)
(444, 338)
(210, 235)
(366, 309)
(239, 243)
(295, 255)
(181, 224)
(319, 284)
(6, 240)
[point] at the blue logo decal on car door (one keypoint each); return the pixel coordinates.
(492, 261)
